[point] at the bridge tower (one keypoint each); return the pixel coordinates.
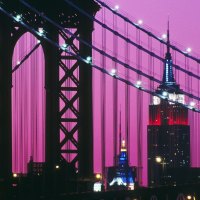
(79, 73)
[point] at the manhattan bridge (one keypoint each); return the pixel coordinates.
(75, 91)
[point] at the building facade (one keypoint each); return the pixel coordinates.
(168, 130)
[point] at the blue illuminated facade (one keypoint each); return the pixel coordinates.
(124, 175)
(168, 76)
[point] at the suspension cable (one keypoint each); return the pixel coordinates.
(25, 57)
(128, 82)
(146, 31)
(113, 58)
(130, 41)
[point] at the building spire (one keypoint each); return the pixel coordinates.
(168, 76)
(168, 42)
(120, 130)
(168, 54)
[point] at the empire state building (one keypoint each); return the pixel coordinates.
(168, 130)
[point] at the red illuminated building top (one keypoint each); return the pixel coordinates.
(162, 112)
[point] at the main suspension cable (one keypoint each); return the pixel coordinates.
(37, 34)
(139, 72)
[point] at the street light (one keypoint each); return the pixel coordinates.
(15, 175)
(158, 159)
(189, 197)
(98, 176)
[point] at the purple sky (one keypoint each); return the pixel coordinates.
(183, 14)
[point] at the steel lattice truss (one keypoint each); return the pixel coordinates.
(69, 96)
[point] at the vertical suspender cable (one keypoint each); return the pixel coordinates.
(175, 61)
(197, 121)
(139, 112)
(150, 65)
(127, 93)
(103, 102)
(115, 93)
(162, 50)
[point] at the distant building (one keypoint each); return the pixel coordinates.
(121, 176)
(168, 129)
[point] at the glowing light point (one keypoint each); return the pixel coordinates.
(64, 46)
(18, 18)
(18, 62)
(165, 94)
(140, 22)
(98, 176)
(192, 104)
(164, 36)
(97, 187)
(123, 143)
(139, 83)
(15, 175)
(189, 197)
(188, 50)
(38, 41)
(123, 148)
(158, 159)
(57, 166)
(116, 8)
(113, 72)
(41, 31)
(89, 60)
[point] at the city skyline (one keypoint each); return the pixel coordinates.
(93, 97)
(140, 10)
(134, 127)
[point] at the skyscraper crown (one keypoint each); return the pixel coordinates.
(168, 76)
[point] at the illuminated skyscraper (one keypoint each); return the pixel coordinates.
(168, 129)
(122, 176)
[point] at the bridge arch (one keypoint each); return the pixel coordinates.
(28, 103)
